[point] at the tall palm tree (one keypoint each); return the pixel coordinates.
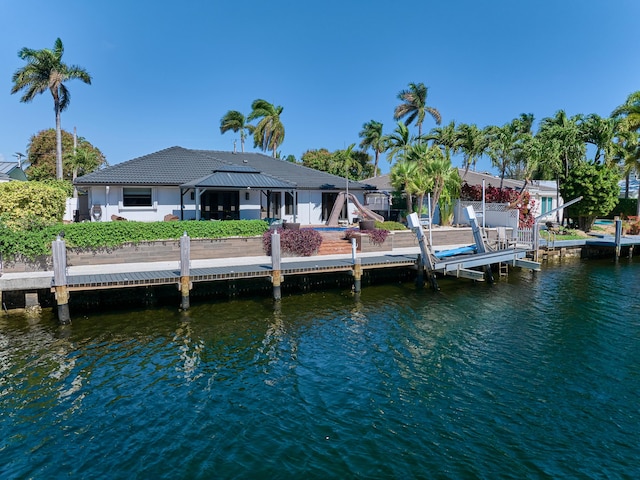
(268, 134)
(236, 122)
(415, 107)
(373, 138)
(46, 71)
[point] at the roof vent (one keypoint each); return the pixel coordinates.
(245, 161)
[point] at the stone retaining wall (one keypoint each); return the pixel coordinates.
(159, 251)
(169, 250)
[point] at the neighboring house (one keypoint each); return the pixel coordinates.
(213, 185)
(543, 193)
(11, 171)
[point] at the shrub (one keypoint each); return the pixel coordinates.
(304, 242)
(27, 205)
(378, 236)
(634, 228)
(388, 225)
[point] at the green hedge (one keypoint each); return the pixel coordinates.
(389, 225)
(37, 241)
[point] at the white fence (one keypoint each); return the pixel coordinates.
(495, 214)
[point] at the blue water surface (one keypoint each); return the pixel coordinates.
(537, 376)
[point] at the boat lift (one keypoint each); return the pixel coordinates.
(464, 265)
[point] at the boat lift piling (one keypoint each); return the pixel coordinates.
(477, 236)
(424, 261)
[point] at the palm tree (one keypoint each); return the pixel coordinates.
(626, 152)
(446, 137)
(346, 165)
(236, 121)
(502, 144)
(421, 183)
(398, 142)
(46, 71)
(268, 134)
(630, 111)
(565, 133)
(372, 137)
(563, 144)
(601, 133)
(629, 151)
(438, 168)
(402, 174)
(472, 142)
(415, 107)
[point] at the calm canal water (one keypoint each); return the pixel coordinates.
(537, 376)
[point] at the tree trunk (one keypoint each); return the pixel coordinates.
(375, 166)
(627, 179)
(58, 141)
(409, 202)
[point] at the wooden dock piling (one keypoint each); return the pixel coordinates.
(357, 275)
(276, 273)
(185, 280)
(60, 280)
(618, 237)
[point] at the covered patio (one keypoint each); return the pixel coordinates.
(238, 192)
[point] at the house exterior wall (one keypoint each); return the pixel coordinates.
(495, 214)
(166, 201)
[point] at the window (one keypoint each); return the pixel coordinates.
(136, 197)
(546, 204)
(288, 203)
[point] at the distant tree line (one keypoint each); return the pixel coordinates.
(585, 154)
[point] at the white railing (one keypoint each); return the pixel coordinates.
(524, 238)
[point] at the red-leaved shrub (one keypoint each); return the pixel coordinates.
(303, 243)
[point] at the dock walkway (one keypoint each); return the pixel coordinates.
(162, 273)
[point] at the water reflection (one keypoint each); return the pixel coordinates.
(470, 382)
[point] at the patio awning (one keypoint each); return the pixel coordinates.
(238, 177)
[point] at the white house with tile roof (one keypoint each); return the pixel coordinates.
(214, 185)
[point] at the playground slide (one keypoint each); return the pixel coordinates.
(337, 208)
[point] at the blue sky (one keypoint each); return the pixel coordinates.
(164, 73)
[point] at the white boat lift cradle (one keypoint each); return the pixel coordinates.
(464, 265)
